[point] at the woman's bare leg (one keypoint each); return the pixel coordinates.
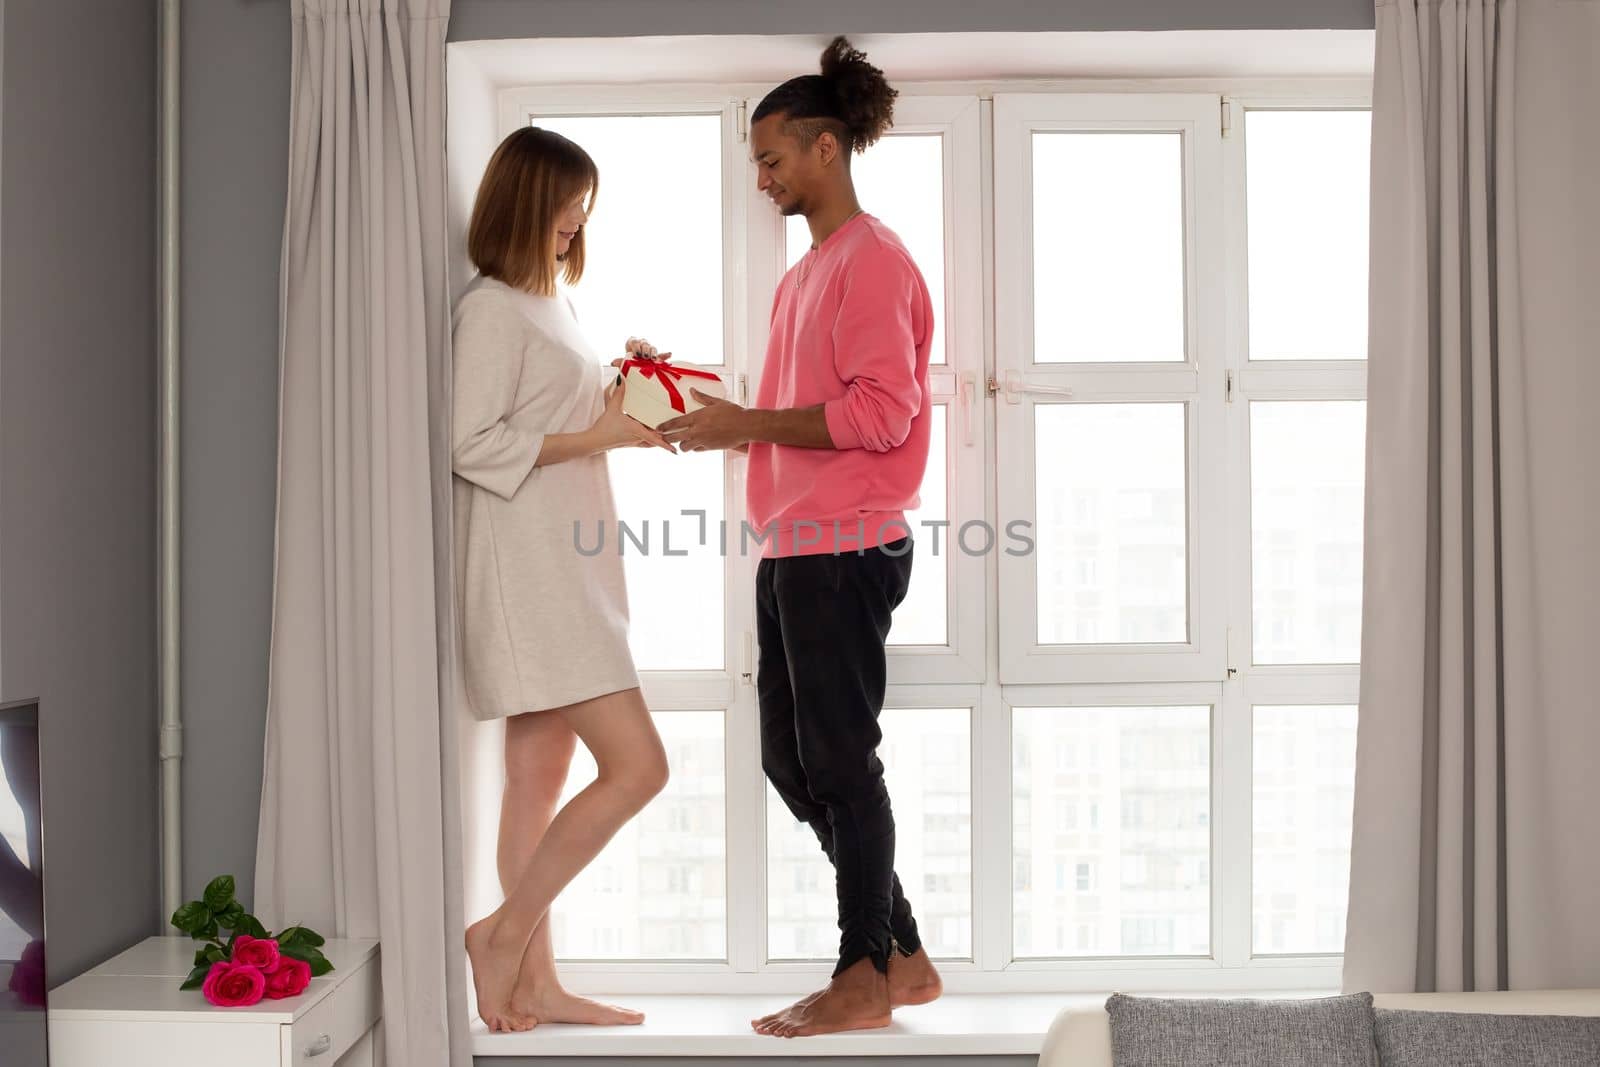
(618, 731)
(539, 749)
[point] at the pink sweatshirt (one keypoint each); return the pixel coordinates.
(854, 336)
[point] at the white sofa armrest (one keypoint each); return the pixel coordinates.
(1079, 1037)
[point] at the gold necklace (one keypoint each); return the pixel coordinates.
(805, 262)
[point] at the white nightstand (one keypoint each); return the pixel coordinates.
(129, 1012)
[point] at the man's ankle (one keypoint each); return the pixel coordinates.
(898, 947)
(863, 973)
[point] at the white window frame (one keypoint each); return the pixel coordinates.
(1195, 382)
(1250, 685)
(969, 673)
(956, 384)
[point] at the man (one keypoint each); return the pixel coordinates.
(837, 443)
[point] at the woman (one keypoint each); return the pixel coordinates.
(544, 628)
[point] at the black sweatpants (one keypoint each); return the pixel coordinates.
(821, 625)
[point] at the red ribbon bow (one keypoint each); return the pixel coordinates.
(668, 375)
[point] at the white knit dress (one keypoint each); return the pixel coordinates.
(542, 625)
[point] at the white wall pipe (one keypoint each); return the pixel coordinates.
(170, 744)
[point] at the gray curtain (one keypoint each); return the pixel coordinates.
(360, 811)
(1476, 850)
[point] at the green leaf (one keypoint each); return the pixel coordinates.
(219, 894)
(249, 924)
(197, 977)
(300, 935)
(215, 954)
(230, 916)
(191, 918)
(200, 957)
(309, 955)
(207, 932)
(298, 951)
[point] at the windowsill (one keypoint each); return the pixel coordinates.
(966, 1024)
(956, 1025)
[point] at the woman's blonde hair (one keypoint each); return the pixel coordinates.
(533, 176)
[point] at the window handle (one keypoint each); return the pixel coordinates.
(1013, 386)
(969, 388)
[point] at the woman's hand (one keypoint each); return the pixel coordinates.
(642, 349)
(639, 348)
(613, 429)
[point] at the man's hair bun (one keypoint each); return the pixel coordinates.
(865, 98)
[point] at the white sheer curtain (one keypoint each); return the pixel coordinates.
(1475, 859)
(360, 813)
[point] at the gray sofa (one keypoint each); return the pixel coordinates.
(1495, 1029)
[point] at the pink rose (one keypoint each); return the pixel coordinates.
(256, 952)
(27, 977)
(289, 980)
(234, 985)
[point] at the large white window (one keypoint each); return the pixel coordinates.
(1109, 425)
(1121, 798)
(1108, 254)
(659, 889)
(927, 756)
(660, 274)
(1120, 724)
(1303, 783)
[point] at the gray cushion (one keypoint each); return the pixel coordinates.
(1325, 1032)
(1461, 1039)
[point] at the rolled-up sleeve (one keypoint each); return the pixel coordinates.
(875, 354)
(485, 449)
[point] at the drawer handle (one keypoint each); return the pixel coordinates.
(319, 1046)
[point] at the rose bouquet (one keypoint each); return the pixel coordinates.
(27, 976)
(251, 963)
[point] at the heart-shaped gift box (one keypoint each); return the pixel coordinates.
(657, 390)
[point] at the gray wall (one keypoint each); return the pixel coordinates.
(77, 450)
(234, 167)
(476, 20)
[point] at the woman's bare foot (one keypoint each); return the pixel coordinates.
(858, 999)
(556, 1005)
(913, 979)
(494, 976)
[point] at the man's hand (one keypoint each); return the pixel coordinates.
(613, 429)
(721, 424)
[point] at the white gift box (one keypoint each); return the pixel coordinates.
(660, 390)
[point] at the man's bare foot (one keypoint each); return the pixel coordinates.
(766, 1021)
(913, 979)
(549, 1004)
(858, 999)
(494, 976)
